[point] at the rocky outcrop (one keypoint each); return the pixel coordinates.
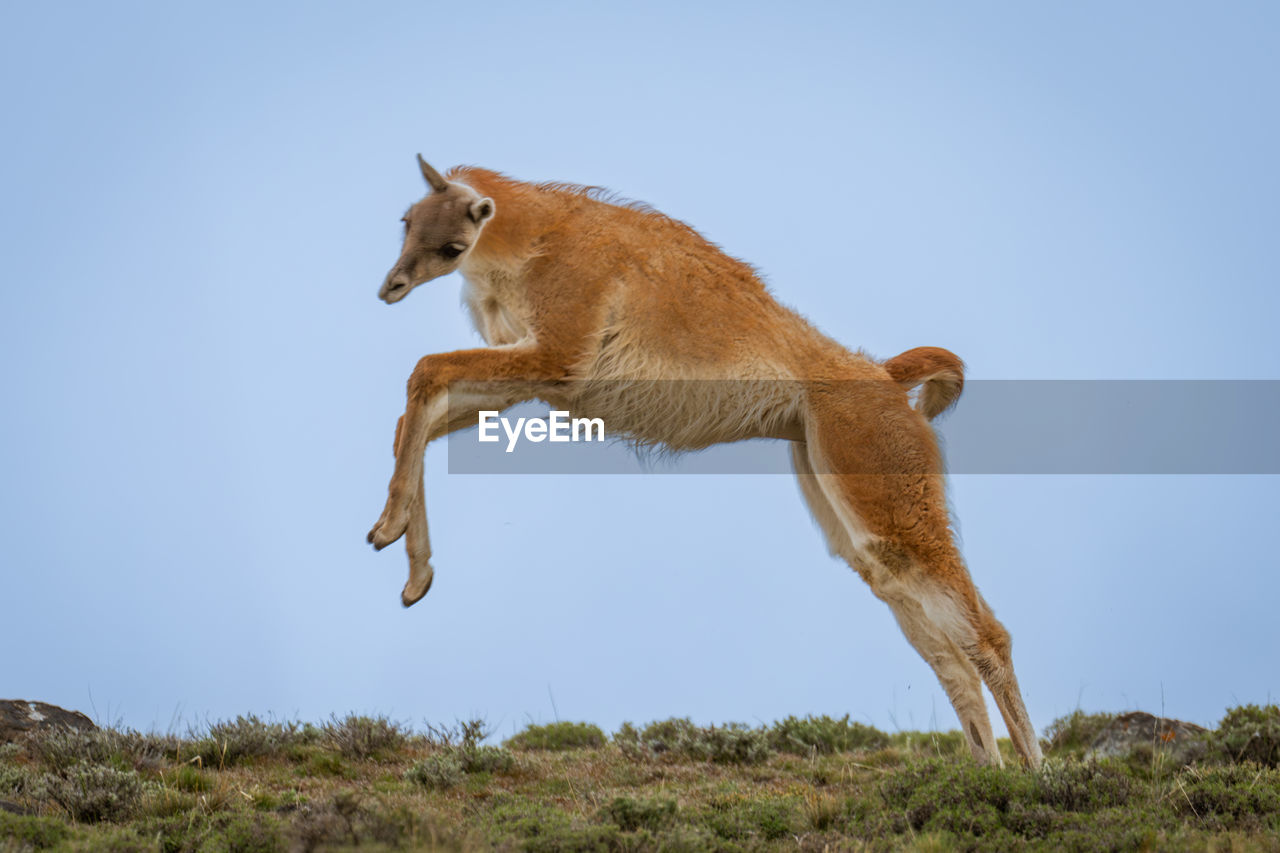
(1179, 741)
(17, 717)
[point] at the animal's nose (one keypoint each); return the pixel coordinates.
(394, 287)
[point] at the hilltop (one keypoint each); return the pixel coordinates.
(816, 783)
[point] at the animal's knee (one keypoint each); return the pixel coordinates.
(423, 382)
(993, 636)
(993, 651)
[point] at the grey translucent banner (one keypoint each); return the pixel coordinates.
(998, 427)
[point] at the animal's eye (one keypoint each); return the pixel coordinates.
(452, 250)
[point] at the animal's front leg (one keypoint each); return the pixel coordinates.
(418, 546)
(445, 393)
(405, 495)
(417, 539)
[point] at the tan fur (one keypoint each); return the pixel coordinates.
(939, 370)
(615, 311)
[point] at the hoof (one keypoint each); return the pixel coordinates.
(386, 531)
(416, 587)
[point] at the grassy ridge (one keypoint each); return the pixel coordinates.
(813, 783)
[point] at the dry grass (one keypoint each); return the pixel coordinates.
(315, 791)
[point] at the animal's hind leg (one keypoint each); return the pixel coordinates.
(994, 660)
(956, 673)
(958, 676)
(877, 463)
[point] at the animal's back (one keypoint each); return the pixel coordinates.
(684, 344)
(694, 350)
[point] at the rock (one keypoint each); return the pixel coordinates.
(1181, 742)
(17, 717)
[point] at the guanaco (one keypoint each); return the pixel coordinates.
(613, 310)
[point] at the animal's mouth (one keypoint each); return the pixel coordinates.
(394, 291)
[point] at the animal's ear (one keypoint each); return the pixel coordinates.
(434, 180)
(481, 210)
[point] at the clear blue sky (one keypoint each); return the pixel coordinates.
(200, 387)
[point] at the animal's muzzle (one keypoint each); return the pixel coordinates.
(394, 287)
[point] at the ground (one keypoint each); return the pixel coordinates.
(811, 784)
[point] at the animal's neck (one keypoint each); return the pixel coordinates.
(523, 214)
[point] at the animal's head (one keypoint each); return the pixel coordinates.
(439, 231)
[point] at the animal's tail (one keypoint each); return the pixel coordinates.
(941, 371)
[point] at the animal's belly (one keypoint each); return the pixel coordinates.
(689, 414)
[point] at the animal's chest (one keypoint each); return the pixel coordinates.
(496, 309)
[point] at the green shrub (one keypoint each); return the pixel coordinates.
(558, 736)
(1134, 828)
(630, 814)
(1083, 786)
(938, 795)
(1031, 821)
(176, 833)
(467, 733)
(1064, 805)
(110, 840)
(94, 792)
(362, 738)
(741, 819)
(824, 735)
(513, 816)
(14, 780)
(316, 828)
(1076, 731)
(231, 742)
(63, 747)
(1248, 733)
(733, 743)
(485, 759)
(35, 833)
(462, 744)
(345, 822)
(188, 778)
(166, 802)
(539, 828)
(1230, 796)
(931, 744)
(390, 826)
(653, 740)
(327, 764)
(148, 751)
(436, 772)
(251, 834)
